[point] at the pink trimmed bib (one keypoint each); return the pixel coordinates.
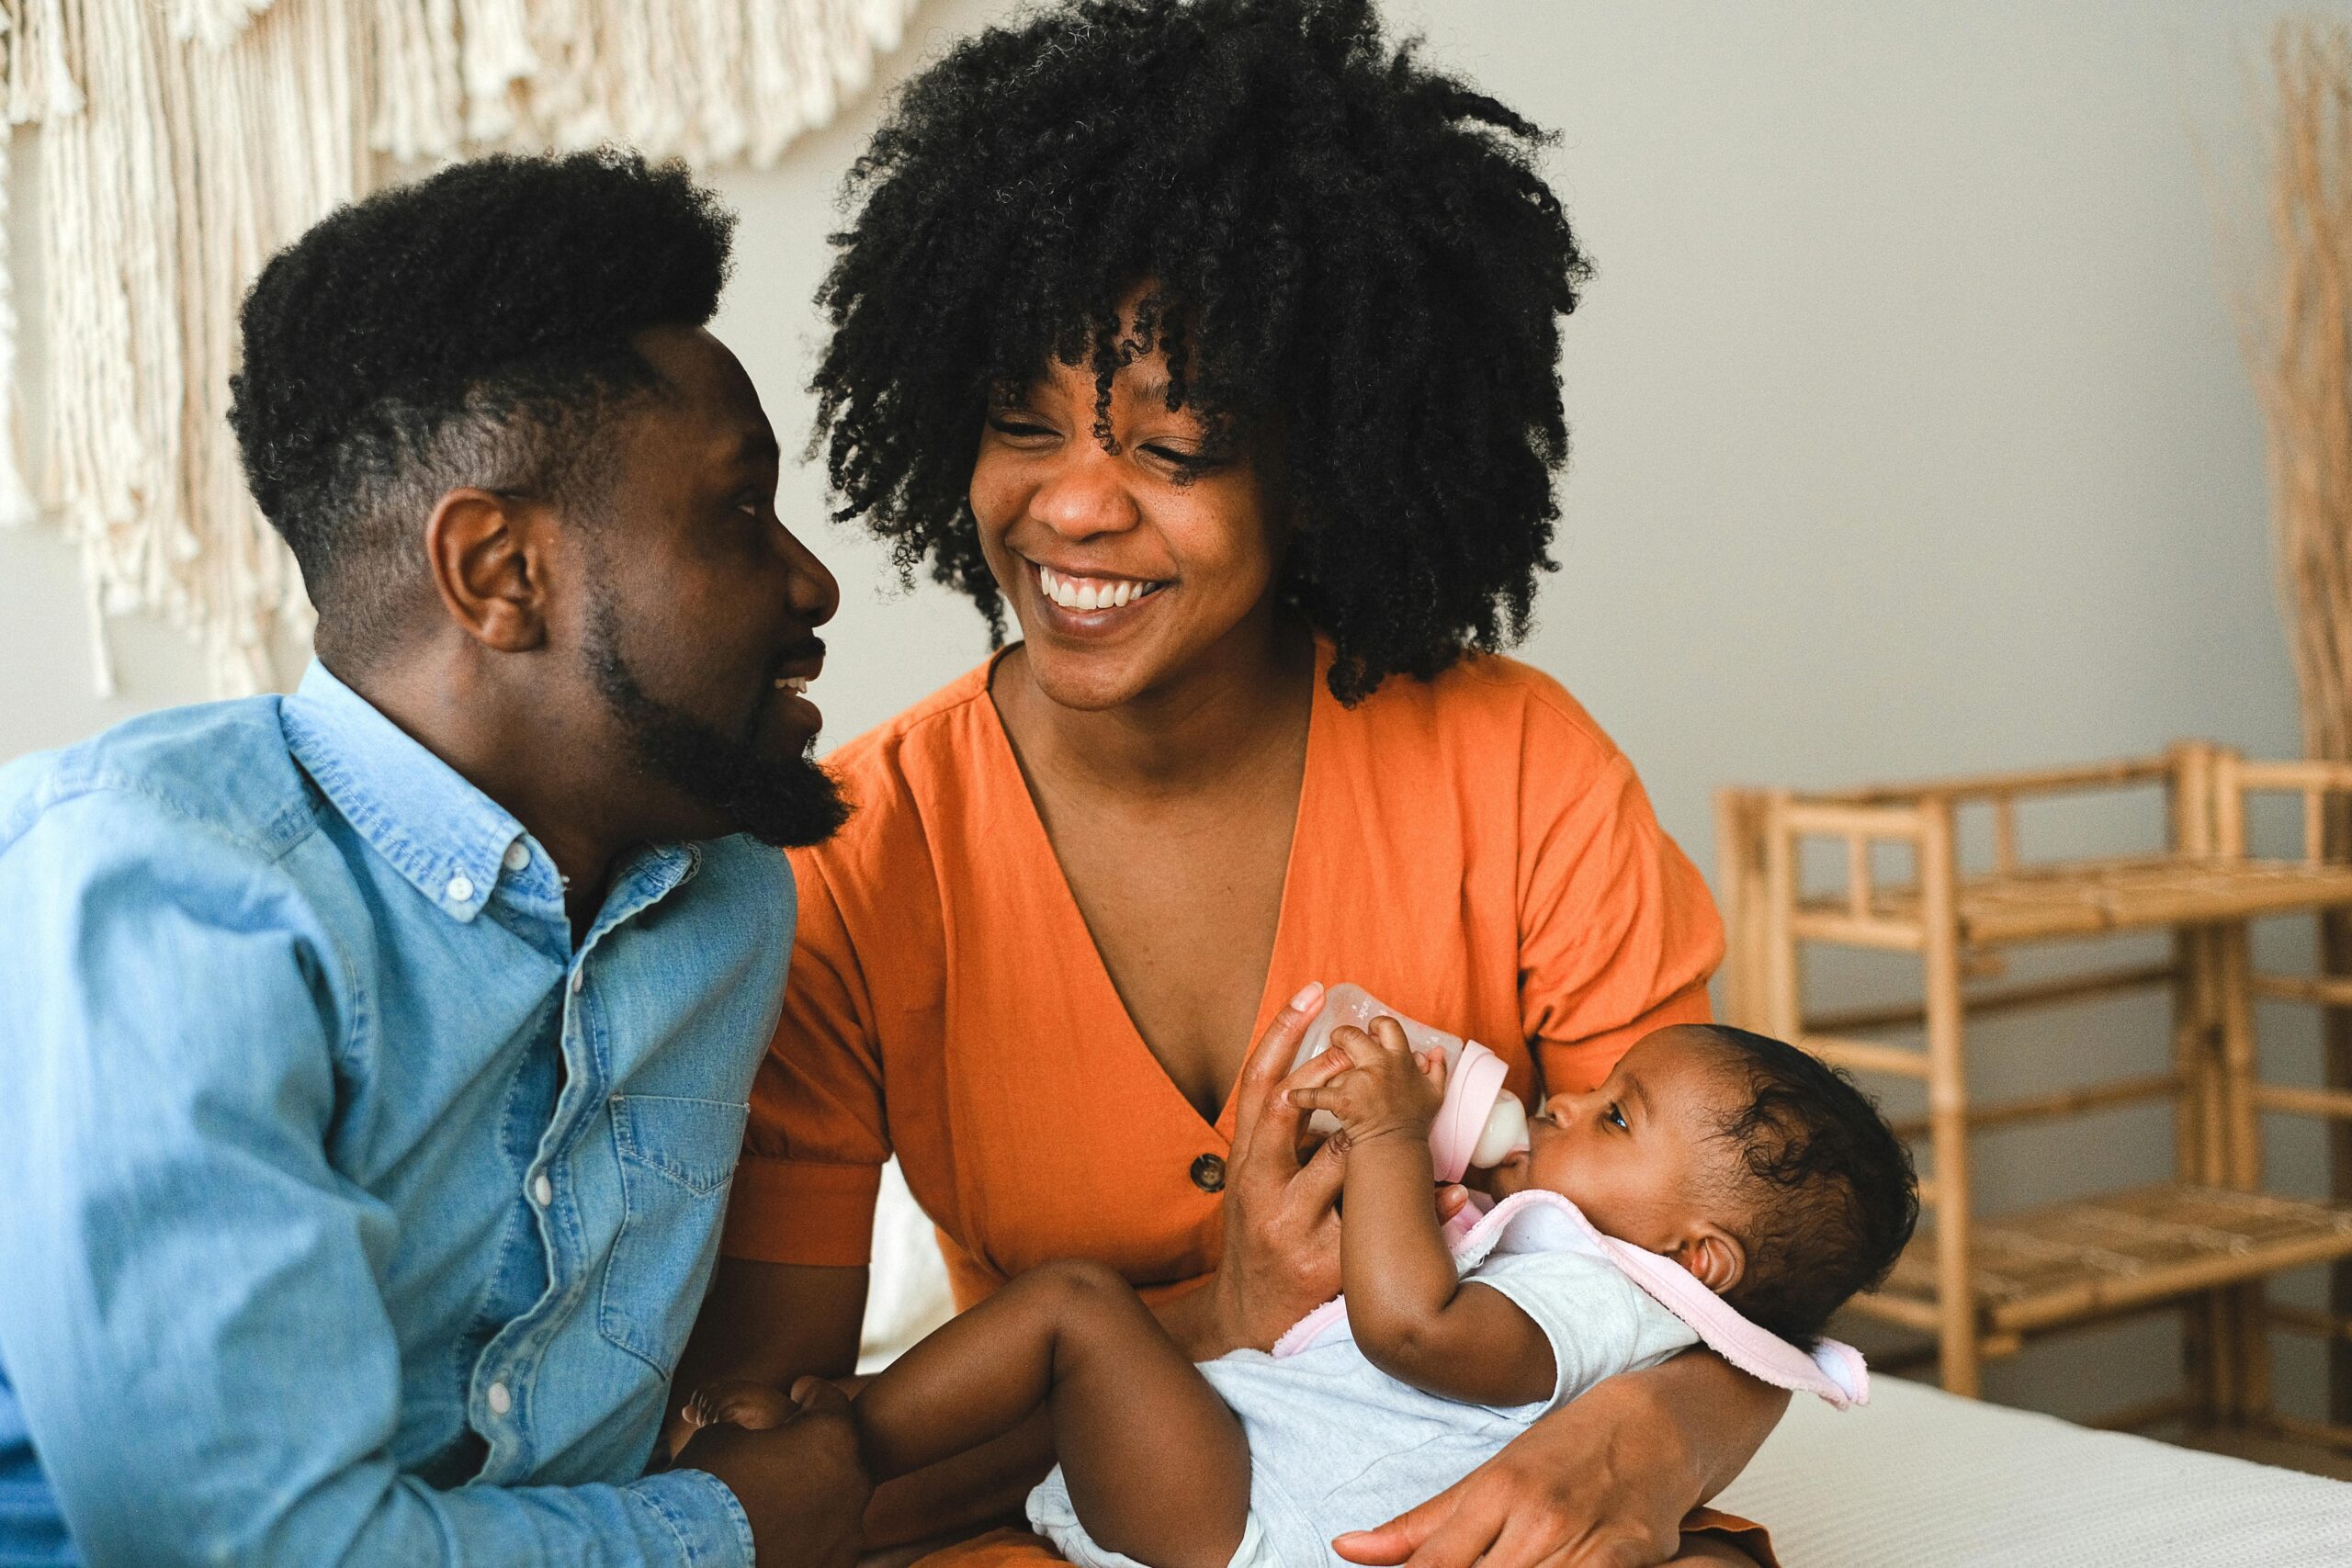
(1543, 1222)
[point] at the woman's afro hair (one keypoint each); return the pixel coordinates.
(1340, 245)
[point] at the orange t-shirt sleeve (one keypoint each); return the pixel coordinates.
(814, 1148)
(1617, 932)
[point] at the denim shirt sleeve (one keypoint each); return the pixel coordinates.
(192, 1319)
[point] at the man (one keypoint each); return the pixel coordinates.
(373, 1060)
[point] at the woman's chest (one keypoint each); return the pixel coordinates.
(1184, 912)
(1035, 1117)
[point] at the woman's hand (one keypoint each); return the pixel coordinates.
(1386, 1090)
(1604, 1482)
(1282, 1223)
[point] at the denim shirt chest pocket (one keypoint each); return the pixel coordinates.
(677, 1159)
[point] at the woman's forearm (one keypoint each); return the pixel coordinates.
(1718, 1414)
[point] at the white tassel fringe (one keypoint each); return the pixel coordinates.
(183, 142)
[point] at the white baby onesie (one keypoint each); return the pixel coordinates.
(1337, 1445)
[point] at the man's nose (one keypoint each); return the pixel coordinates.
(1085, 494)
(812, 592)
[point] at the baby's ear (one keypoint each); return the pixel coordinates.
(1713, 1257)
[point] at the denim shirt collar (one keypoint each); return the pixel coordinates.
(423, 817)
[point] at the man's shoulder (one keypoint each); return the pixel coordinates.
(220, 769)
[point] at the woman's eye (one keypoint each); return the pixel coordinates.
(1006, 425)
(1186, 465)
(1616, 1118)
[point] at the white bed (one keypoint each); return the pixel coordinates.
(1919, 1479)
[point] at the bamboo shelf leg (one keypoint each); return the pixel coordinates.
(2203, 1325)
(1948, 1102)
(2249, 1334)
(1740, 864)
(2203, 1332)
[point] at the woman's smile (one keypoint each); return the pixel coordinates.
(1082, 604)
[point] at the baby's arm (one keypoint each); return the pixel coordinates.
(1411, 1313)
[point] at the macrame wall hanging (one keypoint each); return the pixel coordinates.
(182, 141)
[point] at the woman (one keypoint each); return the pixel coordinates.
(1216, 341)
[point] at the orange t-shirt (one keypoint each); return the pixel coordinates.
(1471, 849)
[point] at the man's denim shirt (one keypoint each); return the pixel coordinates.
(349, 1211)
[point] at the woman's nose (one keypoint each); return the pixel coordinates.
(1084, 496)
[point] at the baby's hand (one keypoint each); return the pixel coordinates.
(1386, 1090)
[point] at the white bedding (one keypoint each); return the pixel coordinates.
(1919, 1479)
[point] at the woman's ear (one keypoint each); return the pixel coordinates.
(485, 551)
(1713, 1257)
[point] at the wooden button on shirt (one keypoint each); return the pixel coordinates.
(1208, 1173)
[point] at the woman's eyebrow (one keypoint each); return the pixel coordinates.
(1151, 390)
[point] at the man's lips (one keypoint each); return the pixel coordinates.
(804, 665)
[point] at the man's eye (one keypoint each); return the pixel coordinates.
(1616, 1118)
(1007, 424)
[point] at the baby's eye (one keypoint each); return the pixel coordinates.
(1615, 1117)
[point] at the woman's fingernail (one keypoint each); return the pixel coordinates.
(1307, 996)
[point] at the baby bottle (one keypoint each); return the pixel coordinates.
(1480, 1123)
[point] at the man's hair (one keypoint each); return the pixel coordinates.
(1825, 1189)
(1342, 246)
(470, 329)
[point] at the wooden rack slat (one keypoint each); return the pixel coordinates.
(2009, 999)
(2065, 1102)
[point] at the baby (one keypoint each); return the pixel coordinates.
(1766, 1177)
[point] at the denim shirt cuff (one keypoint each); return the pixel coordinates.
(711, 1528)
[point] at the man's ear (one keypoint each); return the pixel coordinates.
(488, 556)
(1713, 1257)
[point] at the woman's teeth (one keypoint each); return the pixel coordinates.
(1092, 593)
(796, 684)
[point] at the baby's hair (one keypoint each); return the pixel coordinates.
(1825, 1189)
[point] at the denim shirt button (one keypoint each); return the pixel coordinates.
(500, 1400)
(460, 888)
(579, 978)
(516, 856)
(542, 1190)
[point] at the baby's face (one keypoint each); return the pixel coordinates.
(1633, 1154)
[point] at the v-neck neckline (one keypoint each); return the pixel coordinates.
(1041, 853)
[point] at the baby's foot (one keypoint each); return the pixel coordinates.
(737, 1403)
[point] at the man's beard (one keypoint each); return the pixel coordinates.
(786, 805)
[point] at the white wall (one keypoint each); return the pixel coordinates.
(1911, 436)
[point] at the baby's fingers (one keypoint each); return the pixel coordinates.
(1390, 1035)
(1318, 1096)
(1313, 1074)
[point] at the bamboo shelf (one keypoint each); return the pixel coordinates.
(2063, 1263)
(2203, 1244)
(2082, 899)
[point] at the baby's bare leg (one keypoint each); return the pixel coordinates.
(1156, 1464)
